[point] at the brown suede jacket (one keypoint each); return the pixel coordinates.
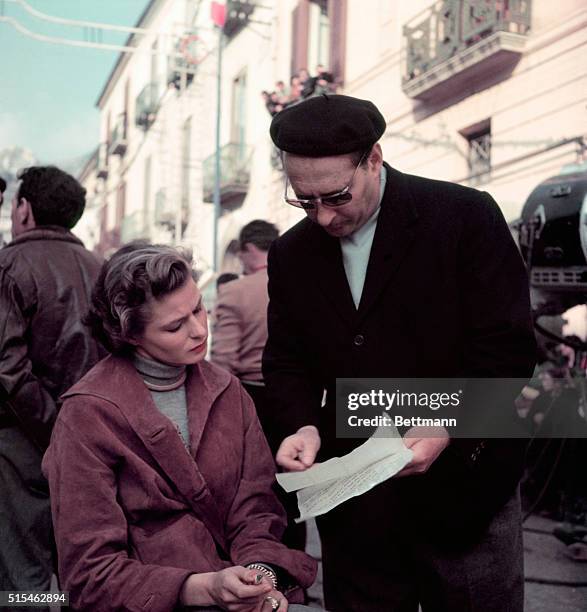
(135, 513)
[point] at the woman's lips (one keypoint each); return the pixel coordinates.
(199, 347)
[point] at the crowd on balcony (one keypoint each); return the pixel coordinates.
(301, 86)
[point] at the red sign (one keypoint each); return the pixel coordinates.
(218, 10)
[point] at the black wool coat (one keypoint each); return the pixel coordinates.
(445, 295)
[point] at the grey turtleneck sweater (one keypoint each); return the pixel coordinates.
(171, 403)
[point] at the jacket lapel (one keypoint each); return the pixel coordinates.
(331, 280)
(159, 435)
(395, 232)
(167, 448)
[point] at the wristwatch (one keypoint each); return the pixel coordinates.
(267, 571)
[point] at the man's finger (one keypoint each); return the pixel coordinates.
(289, 463)
(308, 455)
(411, 442)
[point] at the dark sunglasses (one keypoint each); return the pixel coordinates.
(344, 196)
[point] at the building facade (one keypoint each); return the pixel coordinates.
(489, 93)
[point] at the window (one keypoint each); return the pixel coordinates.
(120, 203)
(147, 188)
(319, 36)
(186, 159)
(126, 108)
(478, 138)
(239, 110)
(154, 62)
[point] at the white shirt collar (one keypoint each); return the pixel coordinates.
(367, 230)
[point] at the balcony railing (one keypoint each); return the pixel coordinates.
(132, 226)
(453, 36)
(147, 105)
(235, 169)
(118, 136)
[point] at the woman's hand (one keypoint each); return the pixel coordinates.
(273, 601)
(236, 589)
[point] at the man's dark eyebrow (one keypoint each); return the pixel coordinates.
(322, 195)
(182, 319)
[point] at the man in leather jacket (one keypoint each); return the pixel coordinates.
(46, 276)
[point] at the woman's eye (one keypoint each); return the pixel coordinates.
(174, 329)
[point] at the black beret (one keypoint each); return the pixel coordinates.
(327, 125)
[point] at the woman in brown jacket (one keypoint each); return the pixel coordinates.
(159, 472)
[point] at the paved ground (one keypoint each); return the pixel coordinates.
(544, 558)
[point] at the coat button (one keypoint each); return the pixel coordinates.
(358, 340)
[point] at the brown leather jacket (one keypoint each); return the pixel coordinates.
(46, 277)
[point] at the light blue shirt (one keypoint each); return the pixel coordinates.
(356, 248)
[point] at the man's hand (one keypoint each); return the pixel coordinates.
(298, 451)
(426, 443)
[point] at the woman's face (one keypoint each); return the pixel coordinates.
(177, 331)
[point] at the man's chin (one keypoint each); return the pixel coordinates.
(337, 232)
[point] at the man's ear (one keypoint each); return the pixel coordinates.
(376, 157)
(253, 248)
(24, 213)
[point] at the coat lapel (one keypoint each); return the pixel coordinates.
(331, 280)
(159, 435)
(395, 232)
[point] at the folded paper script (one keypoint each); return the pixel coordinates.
(326, 485)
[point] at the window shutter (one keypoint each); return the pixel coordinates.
(299, 37)
(337, 14)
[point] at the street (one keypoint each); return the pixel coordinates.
(544, 558)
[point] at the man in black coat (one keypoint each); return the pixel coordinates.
(393, 275)
(46, 276)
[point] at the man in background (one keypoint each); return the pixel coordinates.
(240, 330)
(46, 276)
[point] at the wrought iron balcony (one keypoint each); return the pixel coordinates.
(235, 166)
(118, 139)
(102, 168)
(454, 41)
(147, 105)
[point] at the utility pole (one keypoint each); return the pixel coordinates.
(217, 168)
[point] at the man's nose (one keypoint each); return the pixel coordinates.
(324, 214)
